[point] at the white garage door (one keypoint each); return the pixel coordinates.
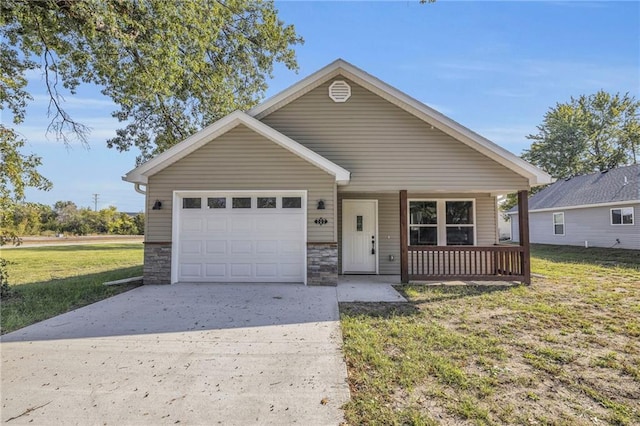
(241, 237)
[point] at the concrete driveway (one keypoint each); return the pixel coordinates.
(184, 354)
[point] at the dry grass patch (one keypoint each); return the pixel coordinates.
(565, 350)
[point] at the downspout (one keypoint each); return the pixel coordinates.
(140, 191)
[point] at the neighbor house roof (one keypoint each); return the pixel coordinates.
(140, 174)
(409, 104)
(614, 186)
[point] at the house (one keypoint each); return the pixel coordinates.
(595, 210)
(338, 174)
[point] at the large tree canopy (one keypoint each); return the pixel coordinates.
(588, 134)
(170, 67)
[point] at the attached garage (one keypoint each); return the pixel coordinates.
(240, 236)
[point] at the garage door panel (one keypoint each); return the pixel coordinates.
(191, 247)
(241, 270)
(267, 247)
(289, 270)
(191, 270)
(241, 247)
(290, 246)
(266, 270)
(217, 224)
(216, 247)
(191, 224)
(240, 224)
(242, 244)
(216, 270)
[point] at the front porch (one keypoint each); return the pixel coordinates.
(464, 262)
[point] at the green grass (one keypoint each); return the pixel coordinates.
(565, 350)
(48, 281)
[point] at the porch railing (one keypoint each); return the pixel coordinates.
(494, 263)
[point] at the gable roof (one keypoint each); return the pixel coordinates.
(140, 174)
(614, 186)
(409, 104)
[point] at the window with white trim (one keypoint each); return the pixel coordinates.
(558, 223)
(622, 216)
(423, 223)
(460, 226)
(442, 222)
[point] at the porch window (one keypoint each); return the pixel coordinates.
(459, 223)
(441, 222)
(558, 223)
(622, 216)
(423, 221)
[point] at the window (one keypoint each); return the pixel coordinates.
(459, 223)
(266, 202)
(622, 216)
(191, 203)
(441, 222)
(217, 203)
(291, 202)
(241, 202)
(558, 223)
(423, 223)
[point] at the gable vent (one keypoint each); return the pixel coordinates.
(339, 91)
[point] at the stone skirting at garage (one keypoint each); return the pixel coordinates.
(322, 264)
(157, 263)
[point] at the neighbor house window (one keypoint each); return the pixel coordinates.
(558, 223)
(622, 216)
(441, 222)
(191, 203)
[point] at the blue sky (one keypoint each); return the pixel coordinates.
(495, 67)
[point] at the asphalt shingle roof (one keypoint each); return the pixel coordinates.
(621, 184)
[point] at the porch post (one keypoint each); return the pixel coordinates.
(404, 244)
(523, 222)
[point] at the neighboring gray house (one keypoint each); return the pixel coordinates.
(596, 210)
(338, 174)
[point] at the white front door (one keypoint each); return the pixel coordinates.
(359, 236)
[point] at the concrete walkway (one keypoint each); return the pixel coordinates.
(196, 354)
(368, 288)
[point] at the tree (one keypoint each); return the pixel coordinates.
(170, 67)
(588, 134)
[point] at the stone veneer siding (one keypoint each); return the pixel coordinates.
(157, 263)
(322, 264)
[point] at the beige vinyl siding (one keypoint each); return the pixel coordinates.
(241, 160)
(389, 222)
(385, 147)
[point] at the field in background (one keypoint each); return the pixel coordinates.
(48, 281)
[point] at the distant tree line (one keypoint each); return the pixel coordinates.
(66, 218)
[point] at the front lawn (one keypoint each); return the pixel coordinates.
(565, 350)
(48, 281)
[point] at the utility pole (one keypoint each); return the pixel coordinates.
(95, 202)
